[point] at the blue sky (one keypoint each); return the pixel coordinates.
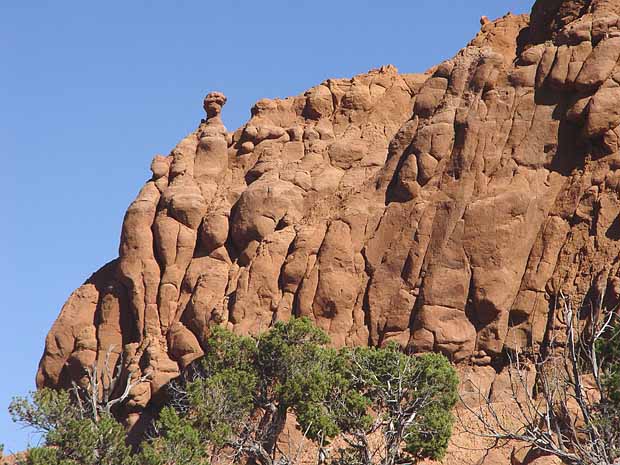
(90, 91)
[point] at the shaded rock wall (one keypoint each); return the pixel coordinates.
(442, 211)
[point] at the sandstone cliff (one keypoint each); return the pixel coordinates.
(443, 210)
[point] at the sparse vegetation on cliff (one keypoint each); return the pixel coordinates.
(567, 400)
(70, 435)
(238, 402)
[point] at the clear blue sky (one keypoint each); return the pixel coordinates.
(90, 91)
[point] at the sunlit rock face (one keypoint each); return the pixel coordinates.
(443, 211)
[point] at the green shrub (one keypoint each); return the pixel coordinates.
(238, 397)
(413, 396)
(70, 437)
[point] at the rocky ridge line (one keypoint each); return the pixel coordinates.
(443, 211)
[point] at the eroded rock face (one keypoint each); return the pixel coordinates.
(442, 211)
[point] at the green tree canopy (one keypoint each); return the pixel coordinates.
(235, 401)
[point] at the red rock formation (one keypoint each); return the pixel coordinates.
(443, 211)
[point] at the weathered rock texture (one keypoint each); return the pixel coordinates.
(443, 211)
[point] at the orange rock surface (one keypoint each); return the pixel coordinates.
(442, 211)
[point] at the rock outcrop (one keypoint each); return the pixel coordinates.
(443, 211)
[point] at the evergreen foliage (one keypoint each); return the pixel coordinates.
(235, 402)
